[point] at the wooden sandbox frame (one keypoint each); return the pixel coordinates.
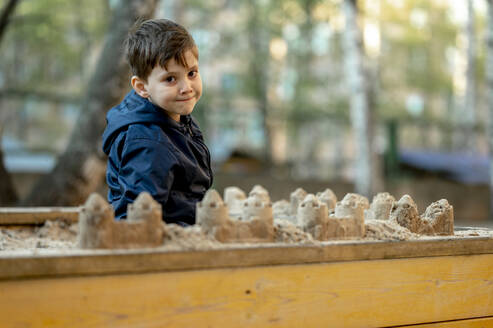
(434, 282)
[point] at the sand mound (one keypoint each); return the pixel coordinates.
(287, 232)
(387, 230)
(188, 238)
(53, 234)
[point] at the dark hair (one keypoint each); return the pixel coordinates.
(156, 41)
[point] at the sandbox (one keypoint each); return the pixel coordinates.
(376, 280)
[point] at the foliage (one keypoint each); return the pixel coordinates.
(47, 57)
(49, 44)
(415, 54)
(50, 48)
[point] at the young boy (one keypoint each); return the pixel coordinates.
(152, 141)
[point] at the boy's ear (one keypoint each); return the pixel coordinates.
(139, 86)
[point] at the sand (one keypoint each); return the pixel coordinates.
(190, 238)
(387, 230)
(63, 236)
(473, 232)
(286, 232)
(53, 234)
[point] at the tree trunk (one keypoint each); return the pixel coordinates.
(8, 195)
(367, 171)
(470, 96)
(259, 66)
(81, 168)
(489, 92)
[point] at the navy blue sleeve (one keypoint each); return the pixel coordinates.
(146, 165)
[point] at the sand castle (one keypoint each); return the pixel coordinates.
(211, 212)
(312, 216)
(234, 198)
(348, 218)
(329, 198)
(322, 216)
(296, 198)
(240, 219)
(380, 207)
(143, 227)
(438, 218)
(256, 223)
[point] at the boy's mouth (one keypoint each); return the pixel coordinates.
(187, 99)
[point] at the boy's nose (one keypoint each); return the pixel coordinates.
(185, 87)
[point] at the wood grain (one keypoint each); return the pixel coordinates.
(376, 293)
(467, 323)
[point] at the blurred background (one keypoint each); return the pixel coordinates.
(357, 96)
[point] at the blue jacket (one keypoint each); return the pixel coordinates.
(149, 151)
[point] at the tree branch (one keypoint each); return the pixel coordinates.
(5, 16)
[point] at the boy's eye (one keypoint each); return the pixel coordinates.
(193, 73)
(170, 79)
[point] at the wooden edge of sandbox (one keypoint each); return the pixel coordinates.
(47, 263)
(37, 215)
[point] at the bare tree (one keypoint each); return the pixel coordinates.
(81, 168)
(8, 194)
(489, 92)
(368, 179)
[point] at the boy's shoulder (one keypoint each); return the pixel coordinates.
(146, 140)
(134, 118)
(147, 131)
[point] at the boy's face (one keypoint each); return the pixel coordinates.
(175, 89)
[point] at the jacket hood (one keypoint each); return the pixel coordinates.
(135, 109)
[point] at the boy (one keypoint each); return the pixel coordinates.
(152, 142)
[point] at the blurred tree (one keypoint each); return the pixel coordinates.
(470, 96)
(368, 179)
(264, 62)
(489, 83)
(8, 195)
(43, 93)
(306, 62)
(418, 40)
(80, 169)
(5, 16)
(259, 68)
(302, 104)
(62, 34)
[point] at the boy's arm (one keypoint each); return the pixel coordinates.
(146, 165)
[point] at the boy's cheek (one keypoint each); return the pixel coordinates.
(198, 95)
(199, 90)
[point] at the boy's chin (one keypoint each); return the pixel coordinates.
(180, 112)
(187, 111)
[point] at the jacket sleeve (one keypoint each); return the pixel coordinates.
(146, 165)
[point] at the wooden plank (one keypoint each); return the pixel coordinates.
(375, 293)
(467, 323)
(46, 263)
(37, 215)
